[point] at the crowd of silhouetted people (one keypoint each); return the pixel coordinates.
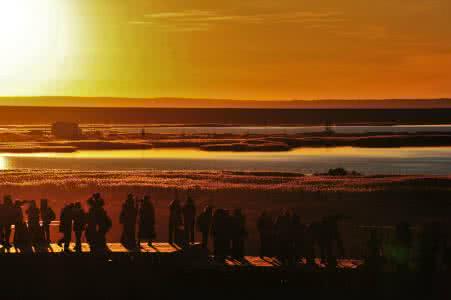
(26, 234)
(287, 238)
(228, 230)
(284, 236)
(35, 232)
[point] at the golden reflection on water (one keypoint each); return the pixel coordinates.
(190, 153)
(3, 163)
(416, 160)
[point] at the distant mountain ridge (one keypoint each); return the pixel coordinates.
(62, 101)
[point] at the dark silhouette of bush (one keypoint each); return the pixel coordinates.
(341, 172)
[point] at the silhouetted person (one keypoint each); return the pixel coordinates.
(228, 234)
(447, 253)
(313, 241)
(238, 233)
(66, 226)
(298, 238)
(98, 224)
(22, 239)
(91, 223)
(104, 226)
(402, 248)
(374, 257)
(265, 226)
(175, 219)
(6, 220)
(283, 237)
(34, 227)
(127, 218)
(204, 221)
(219, 231)
(79, 218)
(146, 223)
(432, 247)
(47, 216)
(331, 239)
(189, 219)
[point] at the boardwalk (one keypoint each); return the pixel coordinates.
(271, 262)
(162, 248)
(114, 248)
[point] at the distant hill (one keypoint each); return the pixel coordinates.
(220, 116)
(62, 101)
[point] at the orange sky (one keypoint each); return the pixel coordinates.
(234, 49)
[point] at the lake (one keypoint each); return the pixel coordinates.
(408, 160)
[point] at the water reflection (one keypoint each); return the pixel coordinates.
(4, 163)
(409, 160)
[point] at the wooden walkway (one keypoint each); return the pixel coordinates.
(162, 248)
(113, 247)
(270, 262)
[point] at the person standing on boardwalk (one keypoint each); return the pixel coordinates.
(283, 237)
(432, 245)
(47, 216)
(66, 225)
(312, 241)
(399, 252)
(79, 218)
(374, 258)
(189, 219)
(332, 239)
(33, 223)
(204, 221)
(91, 222)
(175, 219)
(298, 235)
(127, 218)
(105, 225)
(22, 239)
(98, 224)
(238, 233)
(265, 226)
(219, 232)
(6, 220)
(146, 223)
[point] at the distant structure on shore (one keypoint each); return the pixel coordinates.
(329, 128)
(66, 130)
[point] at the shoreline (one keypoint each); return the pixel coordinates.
(228, 125)
(26, 144)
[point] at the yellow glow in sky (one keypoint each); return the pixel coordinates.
(226, 49)
(35, 39)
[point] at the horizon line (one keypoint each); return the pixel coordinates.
(230, 99)
(205, 103)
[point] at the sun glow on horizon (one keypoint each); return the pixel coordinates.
(35, 39)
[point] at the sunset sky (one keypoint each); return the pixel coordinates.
(229, 49)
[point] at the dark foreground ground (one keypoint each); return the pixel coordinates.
(69, 276)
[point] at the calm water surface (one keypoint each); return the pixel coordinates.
(409, 160)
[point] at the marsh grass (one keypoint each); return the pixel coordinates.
(368, 200)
